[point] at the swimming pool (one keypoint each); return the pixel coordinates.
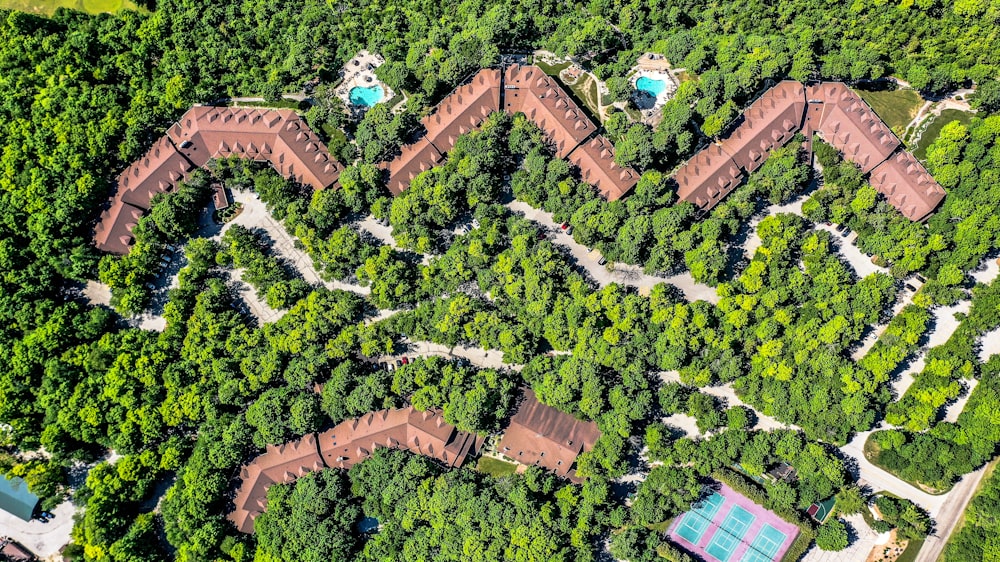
(651, 86)
(366, 96)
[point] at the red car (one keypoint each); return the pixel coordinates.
(406, 360)
(564, 226)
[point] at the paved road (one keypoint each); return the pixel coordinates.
(949, 515)
(623, 274)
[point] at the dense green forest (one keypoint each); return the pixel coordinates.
(81, 96)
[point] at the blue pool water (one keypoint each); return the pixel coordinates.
(652, 86)
(366, 96)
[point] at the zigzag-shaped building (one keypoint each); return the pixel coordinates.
(524, 89)
(277, 136)
(421, 432)
(841, 118)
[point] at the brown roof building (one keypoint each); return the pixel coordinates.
(908, 187)
(424, 433)
(414, 158)
(278, 136)
(596, 161)
(841, 117)
(845, 121)
(13, 552)
(544, 436)
(768, 123)
(708, 177)
(463, 110)
(279, 464)
(529, 90)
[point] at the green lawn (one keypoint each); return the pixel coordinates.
(48, 7)
(495, 467)
(897, 108)
(552, 69)
(934, 129)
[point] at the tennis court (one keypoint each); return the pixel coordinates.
(728, 527)
(695, 522)
(731, 531)
(765, 547)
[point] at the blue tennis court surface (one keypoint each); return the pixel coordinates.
(765, 547)
(729, 527)
(695, 522)
(730, 533)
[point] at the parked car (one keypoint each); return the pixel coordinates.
(911, 287)
(602, 261)
(406, 360)
(921, 278)
(398, 363)
(569, 230)
(168, 259)
(828, 223)
(564, 226)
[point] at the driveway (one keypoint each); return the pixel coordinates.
(864, 542)
(623, 274)
(44, 539)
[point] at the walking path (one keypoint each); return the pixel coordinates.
(482, 358)
(623, 274)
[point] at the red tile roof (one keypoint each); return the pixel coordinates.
(529, 90)
(280, 137)
(413, 159)
(279, 464)
(423, 433)
(463, 110)
(707, 177)
(596, 161)
(770, 122)
(908, 187)
(544, 436)
(847, 123)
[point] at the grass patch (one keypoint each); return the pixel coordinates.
(932, 131)
(49, 7)
(912, 548)
(495, 467)
(871, 451)
(897, 108)
(584, 92)
(552, 69)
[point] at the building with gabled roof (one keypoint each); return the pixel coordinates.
(420, 432)
(414, 158)
(277, 136)
(907, 185)
(278, 464)
(845, 121)
(463, 110)
(349, 442)
(544, 436)
(708, 177)
(596, 161)
(769, 123)
(530, 91)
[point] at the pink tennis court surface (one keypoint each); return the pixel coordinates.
(728, 527)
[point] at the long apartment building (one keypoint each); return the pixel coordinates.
(523, 89)
(841, 118)
(277, 136)
(421, 432)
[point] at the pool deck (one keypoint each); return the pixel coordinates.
(359, 72)
(761, 516)
(651, 112)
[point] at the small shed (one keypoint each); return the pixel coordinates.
(220, 197)
(16, 499)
